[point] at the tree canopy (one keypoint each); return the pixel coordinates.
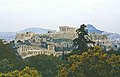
(80, 43)
(26, 72)
(94, 63)
(47, 65)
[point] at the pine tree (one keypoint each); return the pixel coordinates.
(80, 43)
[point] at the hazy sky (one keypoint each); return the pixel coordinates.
(19, 14)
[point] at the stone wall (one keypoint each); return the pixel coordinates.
(26, 51)
(61, 35)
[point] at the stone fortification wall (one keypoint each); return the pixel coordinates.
(61, 35)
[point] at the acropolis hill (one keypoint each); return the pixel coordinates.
(53, 43)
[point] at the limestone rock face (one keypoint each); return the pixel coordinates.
(92, 29)
(24, 36)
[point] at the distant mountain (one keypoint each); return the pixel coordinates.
(9, 36)
(92, 29)
(113, 37)
(35, 30)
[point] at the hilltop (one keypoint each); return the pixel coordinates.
(8, 36)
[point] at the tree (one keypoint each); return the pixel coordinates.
(6, 51)
(118, 51)
(112, 51)
(47, 65)
(9, 59)
(26, 72)
(81, 42)
(93, 63)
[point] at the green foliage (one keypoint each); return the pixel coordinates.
(118, 51)
(112, 51)
(6, 51)
(6, 65)
(9, 59)
(80, 43)
(26, 72)
(47, 65)
(93, 63)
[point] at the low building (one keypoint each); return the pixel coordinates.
(27, 51)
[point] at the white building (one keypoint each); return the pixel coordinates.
(26, 51)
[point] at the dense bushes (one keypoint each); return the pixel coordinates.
(26, 72)
(47, 65)
(93, 63)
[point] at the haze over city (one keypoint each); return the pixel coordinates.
(16, 15)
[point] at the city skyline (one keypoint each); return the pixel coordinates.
(16, 15)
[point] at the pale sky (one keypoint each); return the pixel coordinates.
(16, 15)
